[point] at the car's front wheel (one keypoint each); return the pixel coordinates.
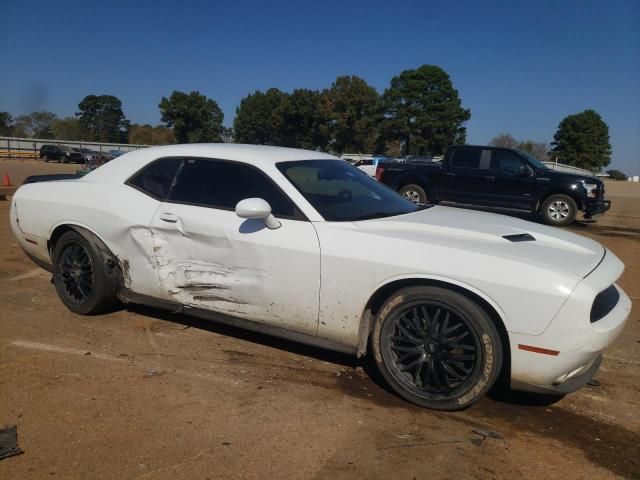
(559, 210)
(414, 193)
(436, 347)
(80, 276)
(45, 158)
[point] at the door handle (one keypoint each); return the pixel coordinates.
(451, 174)
(168, 217)
(489, 177)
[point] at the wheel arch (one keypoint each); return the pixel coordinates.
(63, 227)
(383, 292)
(112, 263)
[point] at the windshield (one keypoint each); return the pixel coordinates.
(342, 193)
(537, 163)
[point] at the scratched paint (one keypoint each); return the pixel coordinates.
(223, 288)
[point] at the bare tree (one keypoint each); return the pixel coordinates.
(504, 140)
(535, 149)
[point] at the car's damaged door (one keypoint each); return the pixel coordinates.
(208, 257)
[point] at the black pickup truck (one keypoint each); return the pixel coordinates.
(497, 177)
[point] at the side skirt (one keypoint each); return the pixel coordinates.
(127, 296)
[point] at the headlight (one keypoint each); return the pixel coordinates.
(591, 189)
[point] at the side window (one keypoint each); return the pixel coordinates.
(156, 178)
(466, 158)
(507, 162)
(220, 184)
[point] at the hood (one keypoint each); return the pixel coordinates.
(549, 247)
(568, 176)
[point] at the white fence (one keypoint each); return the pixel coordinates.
(561, 167)
(27, 147)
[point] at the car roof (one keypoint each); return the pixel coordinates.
(122, 167)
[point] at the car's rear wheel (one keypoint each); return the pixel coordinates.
(436, 347)
(45, 158)
(414, 193)
(80, 276)
(559, 210)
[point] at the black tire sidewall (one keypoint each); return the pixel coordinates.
(489, 339)
(573, 210)
(103, 290)
(418, 189)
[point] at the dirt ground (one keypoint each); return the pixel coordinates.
(143, 394)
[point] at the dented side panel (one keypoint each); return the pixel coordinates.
(212, 259)
(117, 214)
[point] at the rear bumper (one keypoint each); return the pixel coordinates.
(597, 208)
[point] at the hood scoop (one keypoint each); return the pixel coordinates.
(520, 237)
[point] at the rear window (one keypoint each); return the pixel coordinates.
(222, 184)
(156, 179)
(466, 158)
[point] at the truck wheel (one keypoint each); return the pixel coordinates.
(414, 193)
(559, 210)
(80, 276)
(436, 348)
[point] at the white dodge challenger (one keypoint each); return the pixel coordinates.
(303, 245)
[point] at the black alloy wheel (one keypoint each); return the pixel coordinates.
(431, 349)
(436, 347)
(87, 282)
(76, 272)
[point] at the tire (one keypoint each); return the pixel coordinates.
(63, 159)
(559, 210)
(80, 276)
(443, 361)
(45, 158)
(414, 193)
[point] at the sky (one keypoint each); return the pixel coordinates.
(519, 66)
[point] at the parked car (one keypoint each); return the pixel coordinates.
(116, 153)
(89, 155)
(62, 153)
(93, 159)
(305, 246)
(498, 177)
(367, 166)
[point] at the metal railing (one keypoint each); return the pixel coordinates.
(561, 167)
(30, 147)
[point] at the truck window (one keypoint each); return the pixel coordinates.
(507, 162)
(466, 158)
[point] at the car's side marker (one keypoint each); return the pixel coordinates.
(544, 351)
(31, 241)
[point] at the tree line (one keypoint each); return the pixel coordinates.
(419, 113)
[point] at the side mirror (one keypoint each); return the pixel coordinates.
(525, 172)
(257, 209)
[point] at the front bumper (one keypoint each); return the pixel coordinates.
(596, 208)
(574, 381)
(570, 349)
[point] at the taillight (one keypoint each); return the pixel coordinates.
(379, 172)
